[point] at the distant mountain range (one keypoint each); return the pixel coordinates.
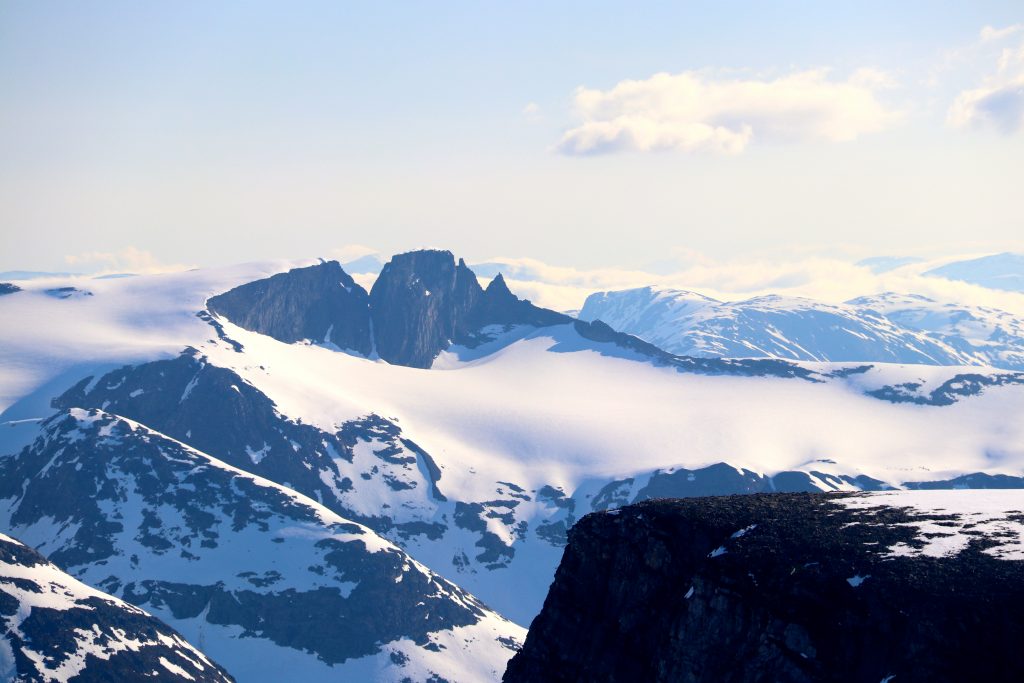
(883, 264)
(886, 328)
(999, 271)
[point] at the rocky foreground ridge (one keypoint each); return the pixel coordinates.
(901, 586)
(55, 628)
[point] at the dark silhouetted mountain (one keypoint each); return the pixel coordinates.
(420, 303)
(786, 587)
(321, 303)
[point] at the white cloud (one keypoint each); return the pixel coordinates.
(998, 102)
(990, 33)
(693, 111)
(127, 260)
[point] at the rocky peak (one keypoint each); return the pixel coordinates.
(420, 302)
(498, 289)
(320, 303)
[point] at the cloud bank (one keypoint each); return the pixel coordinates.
(694, 111)
(127, 260)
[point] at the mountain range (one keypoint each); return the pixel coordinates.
(997, 271)
(380, 484)
(884, 328)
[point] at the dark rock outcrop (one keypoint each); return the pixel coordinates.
(321, 303)
(499, 306)
(420, 303)
(425, 301)
(67, 292)
(8, 288)
(55, 628)
(949, 392)
(783, 587)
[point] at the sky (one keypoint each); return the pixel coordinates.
(648, 136)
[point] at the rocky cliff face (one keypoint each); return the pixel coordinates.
(424, 301)
(321, 303)
(421, 302)
(787, 587)
(56, 628)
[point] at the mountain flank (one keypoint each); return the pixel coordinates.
(785, 587)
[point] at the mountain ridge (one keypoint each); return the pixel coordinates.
(887, 328)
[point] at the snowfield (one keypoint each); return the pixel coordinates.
(950, 520)
(532, 414)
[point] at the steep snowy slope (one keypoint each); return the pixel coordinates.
(268, 582)
(56, 628)
(981, 335)
(889, 328)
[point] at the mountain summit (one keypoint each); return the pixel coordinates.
(421, 303)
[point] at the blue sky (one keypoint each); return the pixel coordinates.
(206, 133)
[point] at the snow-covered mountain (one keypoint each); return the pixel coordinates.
(268, 582)
(459, 427)
(981, 334)
(998, 271)
(55, 628)
(887, 328)
(884, 264)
